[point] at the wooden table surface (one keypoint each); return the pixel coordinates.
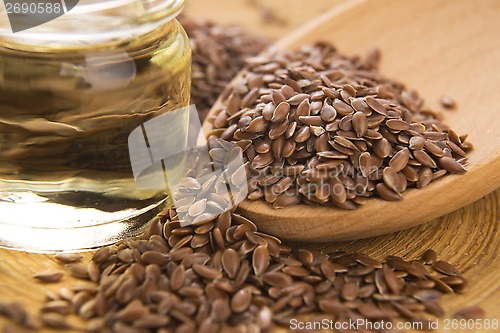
(468, 238)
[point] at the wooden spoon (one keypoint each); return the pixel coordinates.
(437, 47)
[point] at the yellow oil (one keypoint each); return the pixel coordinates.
(65, 117)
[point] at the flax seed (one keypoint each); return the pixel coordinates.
(49, 276)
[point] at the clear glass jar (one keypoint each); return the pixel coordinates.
(71, 92)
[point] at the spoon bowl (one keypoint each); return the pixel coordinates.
(437, 47)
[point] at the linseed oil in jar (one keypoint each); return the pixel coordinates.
(71, 92)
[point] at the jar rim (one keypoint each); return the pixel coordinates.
(95, 21)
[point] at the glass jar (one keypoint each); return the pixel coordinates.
(71, 92)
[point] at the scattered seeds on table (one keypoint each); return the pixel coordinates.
(242, 278)
(49, 276)
(472, 312)
(448, 102)
(429, 257)
(67, 258)
(445, 268)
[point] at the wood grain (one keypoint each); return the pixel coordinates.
(250, 14)
(468, 237)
